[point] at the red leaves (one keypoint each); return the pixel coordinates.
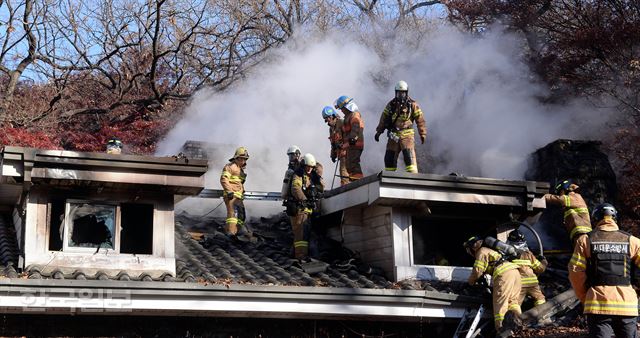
(138, 137)
(21, 137)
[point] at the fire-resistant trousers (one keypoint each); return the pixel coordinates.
(506, 291)
(601, 326)
(535, 292)
(406, 145)
(344, 173)
(235, 215)
(300, 224)
(353, 163)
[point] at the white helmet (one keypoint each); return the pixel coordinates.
(309, 160)
(402, 86)
(293, 150)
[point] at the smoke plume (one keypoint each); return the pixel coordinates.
(480, 102)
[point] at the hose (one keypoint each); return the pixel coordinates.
(516, 224)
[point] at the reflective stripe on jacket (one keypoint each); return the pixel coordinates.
(576, 213)
(402, 117)
(232, 179)
(490, 262)
(529, 267)
(602, 299)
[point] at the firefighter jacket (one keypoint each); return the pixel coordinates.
(490, 262)
(336, 139)
(576, 213)
(288, 176)
(600, 270)
(232, 180)
(306, 189)
(398, 118)
(529, 267)
(353, 129)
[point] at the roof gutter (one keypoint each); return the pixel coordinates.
(183, 299)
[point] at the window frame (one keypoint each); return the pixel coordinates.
(67, 220)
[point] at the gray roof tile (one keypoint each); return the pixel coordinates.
(220, 260)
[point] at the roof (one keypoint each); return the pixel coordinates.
(406, 189)
(59, 167)
(220, 276)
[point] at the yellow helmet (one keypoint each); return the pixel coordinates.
(241, 152)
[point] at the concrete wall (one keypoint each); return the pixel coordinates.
(369, 231)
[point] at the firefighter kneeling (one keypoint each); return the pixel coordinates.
(601, 273)
(506, 281)
(306, 189)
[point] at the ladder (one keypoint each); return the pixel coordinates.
(468, 326)
(248, 195)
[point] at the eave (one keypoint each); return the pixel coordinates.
(402, 189)
(171, 299)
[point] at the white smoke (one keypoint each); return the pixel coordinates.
(481, 105)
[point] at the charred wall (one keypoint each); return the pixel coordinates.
(587, 165)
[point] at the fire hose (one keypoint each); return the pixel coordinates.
(517, 224)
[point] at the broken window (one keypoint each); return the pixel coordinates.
(90, 225)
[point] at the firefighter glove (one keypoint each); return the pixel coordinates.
(333, 158)
(229, 195)
(423, 138)
(352, 141)
(377, 136)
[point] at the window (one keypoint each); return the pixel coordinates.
(90, 225)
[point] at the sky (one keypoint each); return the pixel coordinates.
(479, 102)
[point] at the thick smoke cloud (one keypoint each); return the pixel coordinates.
(481, 104)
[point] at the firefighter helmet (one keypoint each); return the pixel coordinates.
(342, 101)
(563, 185)
(469, 244)
(328, 111)
(602, 210)
(471, 241)
(241, 152)
(402, 86)
(114, 146)
(516, 236)
(309, 160)
(293, 149)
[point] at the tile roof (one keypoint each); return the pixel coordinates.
(265, 261)
(8, 250)
(216, 259)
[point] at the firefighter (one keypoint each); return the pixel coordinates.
(114, 146)
(352, 131)
(506, 281)
(576, 213)
(306, 189)
(600, 273)
(293, 152)
(397, 118)
(232, 181)
(529, 267)
(338, 152)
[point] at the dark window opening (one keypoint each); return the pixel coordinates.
(438, 240)
(136, 236)
(56, 230)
